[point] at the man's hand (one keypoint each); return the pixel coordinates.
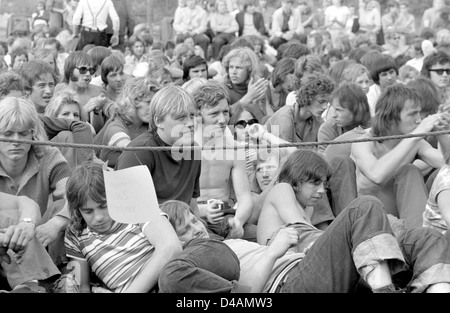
(285, 238)
(256, 131)
(256, 90)
(4, 257)
(236, 228)
(213, 211)
(17, 237)
(48, 232)
(96, 103)
(114, 40)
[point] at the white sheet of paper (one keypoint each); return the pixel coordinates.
(131, 195)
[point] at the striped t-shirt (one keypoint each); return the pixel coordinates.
(116, 257)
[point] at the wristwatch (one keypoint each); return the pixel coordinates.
(28, 221)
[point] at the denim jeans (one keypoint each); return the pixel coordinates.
(411, 195)
(204, 266)
(343, 188)
(36, 264)
(404, 196)
(359, 238)
(427, 253)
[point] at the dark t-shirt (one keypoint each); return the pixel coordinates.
(174, 178)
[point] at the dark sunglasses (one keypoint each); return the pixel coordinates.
(441, 71)
(243, 124)
(83, 70)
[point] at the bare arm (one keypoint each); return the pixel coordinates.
(260, 272)
(379, 170)
(283, 199)
(194, 207)
(241, 188)
(258, 131)
(24, 205)
(258, 201)
(16, 237)
(162, 236)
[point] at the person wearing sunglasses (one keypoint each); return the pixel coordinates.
(436, 67)
(78, 73)
(241, 120)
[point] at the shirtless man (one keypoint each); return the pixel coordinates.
(220, 167)
(385, 168)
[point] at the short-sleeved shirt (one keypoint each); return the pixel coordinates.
(432, 217)
(116, 257)
(174, 178)
(112, 134)
(284, 120)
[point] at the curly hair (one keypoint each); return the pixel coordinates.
(134, 90)
(208, 95)
(182, 50)
(313, 86)
(10, 81)
(61, 98)
(307, 64)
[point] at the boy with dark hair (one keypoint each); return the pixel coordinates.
(193, 67)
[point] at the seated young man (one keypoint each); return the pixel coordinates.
(23, 259)
(385, 169)
(176, 173)
(136, 253)
(223, 172)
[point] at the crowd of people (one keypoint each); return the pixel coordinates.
(265, 130)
